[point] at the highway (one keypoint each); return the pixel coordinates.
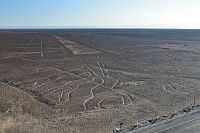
(189, 123)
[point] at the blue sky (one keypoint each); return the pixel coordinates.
(100, 13)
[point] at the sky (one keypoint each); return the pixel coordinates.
(100, 13)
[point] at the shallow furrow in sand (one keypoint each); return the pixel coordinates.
(92, 94)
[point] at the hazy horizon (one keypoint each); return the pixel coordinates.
(175, 14)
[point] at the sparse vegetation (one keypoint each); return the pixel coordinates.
(66, 81)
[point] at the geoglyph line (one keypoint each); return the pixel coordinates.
(117, 81)
(90, 69)
(49, 80)
(30, 80)
(69, 94)
(103, 65)
(92, 94)
(123, 102)
(101, 69)
(57, 88)
(29, 43)
(61, 96)
(41, 47)
(99, 103)
(164, 88)
(74, 47)
(77, 69)
(76, 88)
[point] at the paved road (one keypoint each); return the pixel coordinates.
(184, 124)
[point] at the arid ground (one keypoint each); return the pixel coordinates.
(86, 81)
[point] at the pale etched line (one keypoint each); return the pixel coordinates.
(69, 94)
(50, 75)
(176, 91)
(57, 88)
(130, 100)
(170, 86)
(31, 80)
(8, 82)
(43, 69)
(22, 103)
(92, 94)
(123, 102)
(53, 68)
(46, 82)
(117, 81)
(29, 43)
(38, 72)
(100, 107)
(78, 87)
(100, 59)
(179, 85)
(83, 73)
(77, 69)
(75, 47)
(103, 65)
(100, 102)
(66, 72)
(106, 70)
(49, 80)
(49, 68)
(90, 69)
(60, 77)
(61, 96)
(41, 47)
(164, 88)
(106, 44)
(60, 87)
(90, 75)
(101, 69)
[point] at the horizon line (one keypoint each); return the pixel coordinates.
(87, 27)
